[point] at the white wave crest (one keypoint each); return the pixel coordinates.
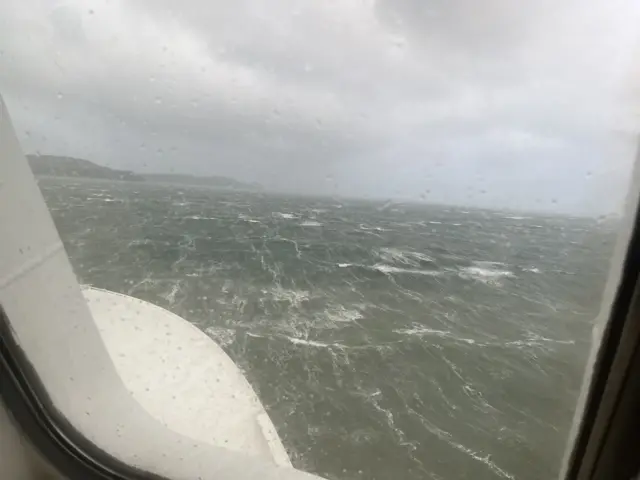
(373, 229)
(309, 343)
(532, 270)
(388, 269)
(486, 460)
(248, 219)
(314, 343)
(485, 271)
(405, 257)
(341, 314)
(287, 216)
(199, 217)
(422, 331)
(488, 264)
(311, 223)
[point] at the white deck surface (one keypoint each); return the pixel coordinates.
(182, 377)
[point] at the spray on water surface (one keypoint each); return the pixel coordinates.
(400, 342)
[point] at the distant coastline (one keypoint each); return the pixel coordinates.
(70, 167)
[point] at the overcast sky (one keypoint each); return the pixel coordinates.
(494, 103)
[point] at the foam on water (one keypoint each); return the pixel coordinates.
(482, 273)
(422, 331)
(342, 314)
(280, 294)
(486, 271)
(375, 400)
(248, 219)
(393, 270)
(140, 241)
(170, 296)
(486, 460)
(531, 270)
(406, 257)
(223, 336)
(308, 343)
(388, 269)
(373, 229)
(488, 264)
(287, 216)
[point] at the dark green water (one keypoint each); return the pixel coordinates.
(386, 341)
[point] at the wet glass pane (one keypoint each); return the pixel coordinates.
(396, 217)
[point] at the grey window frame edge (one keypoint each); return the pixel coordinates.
(607, 439)
(69, 450)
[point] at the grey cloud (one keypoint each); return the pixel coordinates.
(492, 103)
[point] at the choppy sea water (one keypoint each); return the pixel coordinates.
(386, 341)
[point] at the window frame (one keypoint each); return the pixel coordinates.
(608, 428)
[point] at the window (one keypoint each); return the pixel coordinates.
(396, 222)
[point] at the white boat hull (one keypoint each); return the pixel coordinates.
(182, 377)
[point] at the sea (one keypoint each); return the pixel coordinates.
(386, 340)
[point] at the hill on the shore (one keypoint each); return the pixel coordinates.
(61, 166)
